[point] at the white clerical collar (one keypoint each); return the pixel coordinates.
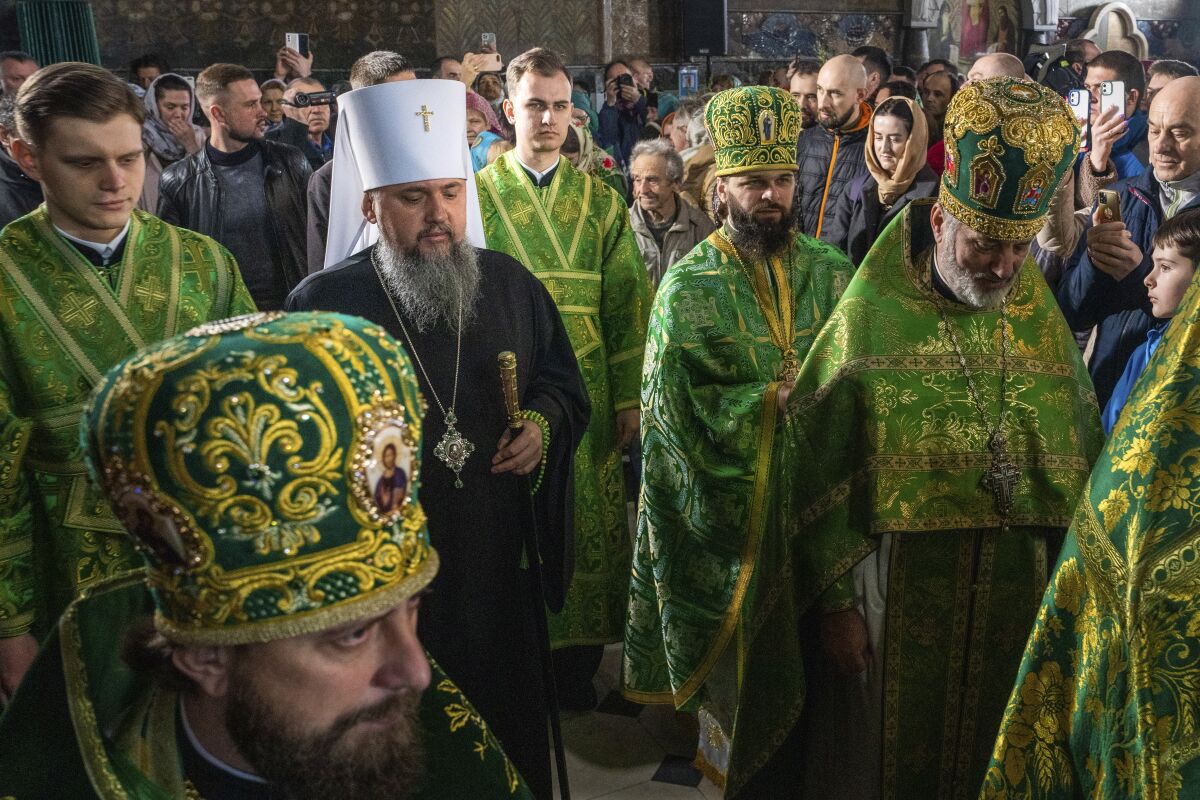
(537, 176)
(209, 757)
(105, 250)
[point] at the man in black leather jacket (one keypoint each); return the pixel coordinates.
(247, 193)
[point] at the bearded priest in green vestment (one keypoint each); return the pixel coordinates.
(85, 280)
(731, 323)
(939, 436)
(269, 646)
(1106, 701)
(572, 231)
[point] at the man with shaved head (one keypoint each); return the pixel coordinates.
(1105, 288)
(830, 154)
(996, 65)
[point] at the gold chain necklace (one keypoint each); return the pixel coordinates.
(780, 318)
(453, 448)
(1002, 476)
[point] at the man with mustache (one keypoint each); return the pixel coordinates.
(943, 426)
(830, 154)
(731, 323)
(455, 307)
(573, 232)
(269, 648)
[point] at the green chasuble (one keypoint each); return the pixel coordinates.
(882, 437)
(709, 429)
(63, 324)
(574, 235)
(1107, 700)
(83, 725)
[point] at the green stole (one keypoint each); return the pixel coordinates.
(575, 236)
(1107, 698)
(709, 428)
(83, 725)
(62, 326)
(882, 436)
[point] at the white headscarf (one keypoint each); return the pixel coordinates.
(155, 133)
(391, 133)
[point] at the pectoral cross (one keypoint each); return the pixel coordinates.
(424, 114)
(1002, 476)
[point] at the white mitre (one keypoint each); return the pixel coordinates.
(390, 133)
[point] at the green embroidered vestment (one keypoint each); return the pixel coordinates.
(882, 437)
(709, 426)
(62, 326)
(1108, 696)
(574, 235)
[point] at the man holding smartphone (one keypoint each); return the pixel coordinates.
(1105, 288)
(1107, 74)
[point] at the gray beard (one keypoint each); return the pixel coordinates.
(431, 290)
(963, 285)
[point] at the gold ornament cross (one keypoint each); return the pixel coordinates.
(425, 114)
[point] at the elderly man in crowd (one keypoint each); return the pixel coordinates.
(1105, 287)
(306, 127)
(666, 225)
(272, 654)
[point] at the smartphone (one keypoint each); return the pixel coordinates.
(490, 62)
(1112, 95)
(298, 42)
(1081, 106)
(487, 40)
(689, 80)
(1110, 201)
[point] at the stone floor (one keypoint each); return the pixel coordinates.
(625, 751)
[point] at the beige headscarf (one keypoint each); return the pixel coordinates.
(891, 187)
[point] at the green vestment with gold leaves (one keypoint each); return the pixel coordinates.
(575, 236)
(63, 324)
(1107, 701)
(83, 725)
(709, 434)
(882, 437)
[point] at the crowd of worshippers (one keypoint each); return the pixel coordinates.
(319, 422)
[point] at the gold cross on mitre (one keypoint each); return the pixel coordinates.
(425, 114)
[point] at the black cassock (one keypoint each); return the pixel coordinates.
(478, 621)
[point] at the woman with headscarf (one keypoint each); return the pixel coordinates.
(897, 141)
(483, 131)
(583, 103)
(581, 150)
(168, 134)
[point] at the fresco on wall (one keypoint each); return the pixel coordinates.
(968, 28)
(784, 35)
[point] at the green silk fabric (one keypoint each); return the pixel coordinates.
(882, 436)
(708, 437)
(84, 726)
(574, 235)
(62, 326)
(1108, 696)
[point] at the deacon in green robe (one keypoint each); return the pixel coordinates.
(572, 231)
(731, 322)
(936, 442)
(85, 280)
(1107, 699)
(269, 645)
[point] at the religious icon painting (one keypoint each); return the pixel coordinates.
(384, 462)
(154, 528)
(766, 127)
(1032, 189)
(987, 174)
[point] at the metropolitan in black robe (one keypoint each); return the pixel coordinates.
(479, 622)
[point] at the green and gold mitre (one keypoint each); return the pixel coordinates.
(753, 128)
(267, 467)
(1008, 144)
